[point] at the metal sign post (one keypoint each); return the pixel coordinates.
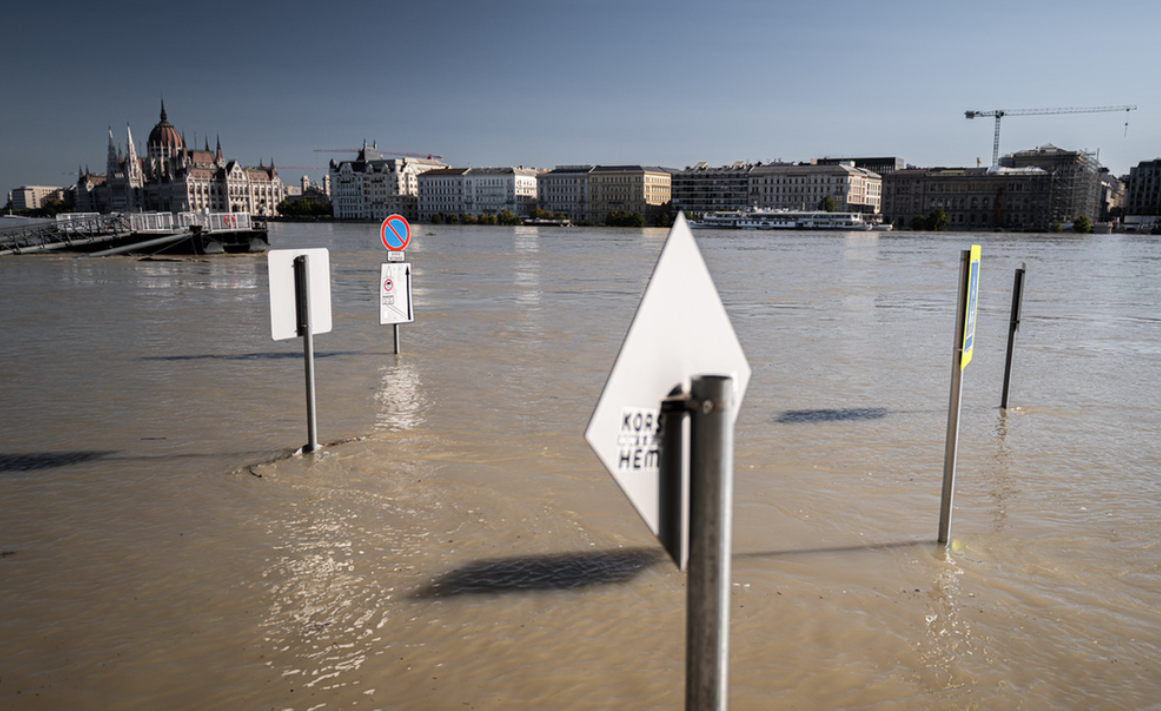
(302, 318)
(681, 485)
(395, 276)
(965, 322)
(1013, 329)
(300, 307)
(711, 496)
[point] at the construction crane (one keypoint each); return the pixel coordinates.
(386, 153)
(1001, 113)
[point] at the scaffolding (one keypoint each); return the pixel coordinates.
(1075, 180)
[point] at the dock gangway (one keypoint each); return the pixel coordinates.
(69, 231)
(73, 231)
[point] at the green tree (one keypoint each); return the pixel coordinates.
(624, 218)
(437, 219)
(937, 220)
(304, 208)
(918, 223)
(1055, 226)
(51, 207)
(1082, 225)
(828, 204)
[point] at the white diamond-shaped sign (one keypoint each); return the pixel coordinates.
(680, 331)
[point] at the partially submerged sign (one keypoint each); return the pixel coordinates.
(395, 293)
(969, 329)
(283, 316)
(680, 330)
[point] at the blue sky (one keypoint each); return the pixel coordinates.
(517, 82)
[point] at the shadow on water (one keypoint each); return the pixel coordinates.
(35, 461)
(252, 356)
(832, 415)
(561, 571)
(840, 549)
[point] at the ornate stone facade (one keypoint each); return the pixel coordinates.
(172, 177)
(374, 187)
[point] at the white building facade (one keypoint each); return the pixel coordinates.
(490, 191)
(373, 187)
(804, 187)
(565, 191)
(441, 192)
(32, 197)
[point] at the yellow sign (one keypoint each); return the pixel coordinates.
(969, 325)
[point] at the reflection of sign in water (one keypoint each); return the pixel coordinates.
(638, 442)
(395, 293)
(969, 329)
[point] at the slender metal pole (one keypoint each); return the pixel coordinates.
(673, 479)
(396, 329)
(711, 490)
(1013, 328)
(302, 312)
(953, 408)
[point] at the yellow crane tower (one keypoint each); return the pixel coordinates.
(1001, 113)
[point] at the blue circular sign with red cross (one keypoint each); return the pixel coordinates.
(395, 233)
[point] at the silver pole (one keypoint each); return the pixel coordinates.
(953, 408)
(396, 328)
(1013, 329)
(302, 311)
(711, 491)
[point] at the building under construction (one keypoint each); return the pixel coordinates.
(1030, 190)
(1075, 180)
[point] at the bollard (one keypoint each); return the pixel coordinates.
(1013, 328)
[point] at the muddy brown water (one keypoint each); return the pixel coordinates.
(465, 549)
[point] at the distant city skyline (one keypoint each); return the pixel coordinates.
(595, 81)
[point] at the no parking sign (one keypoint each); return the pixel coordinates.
(395, 233)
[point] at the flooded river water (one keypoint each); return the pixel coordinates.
(466, 550)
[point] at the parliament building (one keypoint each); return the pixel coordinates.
(173, 177)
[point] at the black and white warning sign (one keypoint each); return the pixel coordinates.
(395, 293)
(639, 440)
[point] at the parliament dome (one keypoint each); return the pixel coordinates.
(164, 140)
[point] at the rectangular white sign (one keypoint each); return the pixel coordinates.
(283, 315)
(395, 293)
